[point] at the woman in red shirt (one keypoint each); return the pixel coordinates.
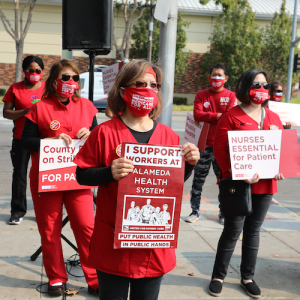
(17, 102)
(62, 114)
(138, 82)
(276, 95)
(251, 90)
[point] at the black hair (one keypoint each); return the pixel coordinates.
(274, 85)
(30, 59)
(218, 66)
(244, 84)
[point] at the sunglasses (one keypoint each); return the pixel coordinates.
(143, 84)
(67, 77)
(37, 71)
(278, 91)
(257, 85)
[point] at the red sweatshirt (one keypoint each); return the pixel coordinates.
(208, 104)
(237, 119)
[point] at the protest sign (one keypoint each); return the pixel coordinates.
(196, 132)
(287, 112)
(56, 167)
(254, 151)
(266, 152)
(109, 74)
(149, 199)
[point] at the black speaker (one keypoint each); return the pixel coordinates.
(87, 24)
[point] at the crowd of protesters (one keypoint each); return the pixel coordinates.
(111, 273)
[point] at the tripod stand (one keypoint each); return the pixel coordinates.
(34, 256)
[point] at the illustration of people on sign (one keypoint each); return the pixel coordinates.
(147, 211)
(165, 216)
(131, 211)
(155, 217)
(138, 214)
(148, 214)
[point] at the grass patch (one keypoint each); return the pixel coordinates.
(294, 100)
(1, 97)
(188, 107)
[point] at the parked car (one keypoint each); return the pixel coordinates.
(100, 99)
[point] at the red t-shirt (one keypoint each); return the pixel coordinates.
(99, 151)
(22, 98)
(208, 104)
(54, 118)
(232, 120)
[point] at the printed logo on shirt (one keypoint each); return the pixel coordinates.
(206, 104)
(273, 127)
(54, 125)
(224, 100)
(34, 99)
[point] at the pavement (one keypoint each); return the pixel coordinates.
(278, 264)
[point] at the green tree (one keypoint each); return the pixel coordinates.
(276, 45)
(235, 42)
(140, 45)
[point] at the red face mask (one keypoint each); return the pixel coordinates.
(65, 88)
(140, 101)
(217, 82)
(33, 78)
(259, 96)
(277, 97)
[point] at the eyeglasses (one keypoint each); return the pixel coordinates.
(278, 91)
(257, 85)
(67, 77)
(37, 71)
(143, 84)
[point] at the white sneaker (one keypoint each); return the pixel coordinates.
(15, 220)
(193, 217)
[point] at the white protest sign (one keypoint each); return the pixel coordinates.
(56, 167)
(54, 154)
(287, 112)
(192, 130)
(109, 74)
(254, 151)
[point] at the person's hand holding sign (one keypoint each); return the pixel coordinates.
(121, 167)
(63, 136)
(279, 176)
(191, 153)
(254, 179)
(83, 134)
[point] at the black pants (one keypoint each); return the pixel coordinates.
(200, 173)
(233, 227)
(20, 159)
(114, 287)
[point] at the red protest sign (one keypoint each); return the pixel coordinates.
(149, 199)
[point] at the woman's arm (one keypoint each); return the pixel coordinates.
(30, 139)
(11, 114)
(94, 176)
(221, 146)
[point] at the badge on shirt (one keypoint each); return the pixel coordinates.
(54, 125)
(206, 104)
(118, 150)
(273, 127)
